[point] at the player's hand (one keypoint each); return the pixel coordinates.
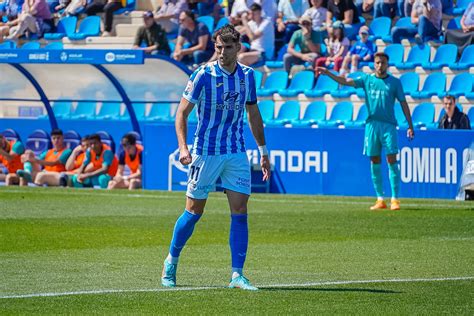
(321, 70)
(410, 134)
(185, 157)
(265, 164)
(81, 178)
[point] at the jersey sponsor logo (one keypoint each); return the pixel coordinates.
(189, 87)
(230, 96)
(230, 101)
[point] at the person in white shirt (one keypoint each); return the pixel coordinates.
(261, 33)
(317, 13)
(289, 13)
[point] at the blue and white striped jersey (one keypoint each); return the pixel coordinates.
(220, 98)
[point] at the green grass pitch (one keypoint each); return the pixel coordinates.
(309, 255)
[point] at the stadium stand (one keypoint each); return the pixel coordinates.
(324, 85)
(160, 112)
(395, 54)
(289, 112)
(360, 119)
(401, 120)
(207, 21)
(466, 61)
(341, 114)
(423, 115)
(278, 61)
(346, 91)
(410, 82)
(55, 45)
(314, 114)
(90, 26)
(84, 110)
(435, 83)
(65, 27)
(62, 110)
(267, 110)
(379, 28)
(302, 81)
(418, 55)
(445, 56)
(109, 111)
(276, 81)
(31, 45)
(460, 85)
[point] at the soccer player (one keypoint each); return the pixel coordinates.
(132, 157)
(74, 162)
(53, 161)
(381, 90)
(221, 90)
(10, 157)
(104, 165)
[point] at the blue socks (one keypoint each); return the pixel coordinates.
(376, 171)
(182, 231)
(238, 241)
(394, 174)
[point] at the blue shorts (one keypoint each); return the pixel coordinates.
(233, 169)
(380, 135)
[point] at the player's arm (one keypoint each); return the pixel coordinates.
(339, 79)
(14, 152)
(136, 175)
(256, 127)
(71, 161)
(406, 112)
(181, 124)
(108, 158)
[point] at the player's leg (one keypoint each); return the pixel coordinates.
(373, 149)
(117, 183)
(390, 142)
(135, 184)
(48, 178)
(12, 179)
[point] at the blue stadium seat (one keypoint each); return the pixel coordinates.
(275, 81)
(466, 60)
(193, 116)
(160, 112)
(400, 116)
(461, 85)
(423, 115)
(72, 139)
(267, 110)
(402, 22)
(454, 23)
(395, 54)
(445, 56)
(380, 28)
(460, 7)
(360, 119)
(31, 45)
(66, 27)
(109, 111)
(61, 109)
(107, 139)
(324, 85)
(410, 82)
(129, 7)
(314, 114)
(8, 45)
(258, 78)
(302, 81)
(38, 141)
(84, 110)
(289, 112)
(208, 21)
(54, 45)
(11, 134)
(278, 63)
(340, 115)
(223, 21)
(434, 84)
(347, 91)
(90, 26)
(418, 55)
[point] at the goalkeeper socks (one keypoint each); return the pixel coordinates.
(375, 169)
(238, 241)
(394, 174)
(28, 167)
(182, 231)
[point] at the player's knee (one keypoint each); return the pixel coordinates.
(112, 185)
(104, 181)
(39, 179)
(134, 184)
(375, 159)
(391, 159)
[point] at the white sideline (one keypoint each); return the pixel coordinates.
(111, 291)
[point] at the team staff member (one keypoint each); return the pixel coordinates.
(132, 157)
(10, 157)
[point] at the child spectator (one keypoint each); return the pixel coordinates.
(362, 50)
(337, 47)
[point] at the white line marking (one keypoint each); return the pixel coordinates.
(202, 288)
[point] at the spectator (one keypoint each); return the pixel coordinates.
(167, 16)
(386, 8)
(62, 4)
(35, 18)
(362, 50)
(240, 7)
(131, 156)
(302, 38)
(346, 12)
(10, 10)
(453, 118)
(152, 36)
(337, 45)
(53, 161)
(108, 7)
(426, 16)
(74, 162)
(318, 15)
(198, 37)
(103, 169)
(10, 158)
(261, 33)
(465, 36)
(289, 13)
(75, 7)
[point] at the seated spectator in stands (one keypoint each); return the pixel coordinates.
(131, 156)
(289, 13)
(337, 47)
(53, 161)
(10, 158)
(61, 5)
(35, 18)
(261, 34)
(426, 15)
(363, 50)
(152, 36)
(75, 7)
(346, 12)
(239, 7)
(453, 118)
(465, 36)
(407, 7)
(104, 165)
(9, 10)
(387, 8)
(309, 51)
(197, 35)
(318, 15)
(108, 7)
(168, 14)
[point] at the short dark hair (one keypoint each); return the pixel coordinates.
(94, 137)
(450, 97)
(131, 139)
(255, 7)
(56, 132)
(84, 138)
(227, 33)
(190, 14)
(380, 55)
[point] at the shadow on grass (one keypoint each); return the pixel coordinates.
(329, 290)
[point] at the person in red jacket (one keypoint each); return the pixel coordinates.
(131, 156)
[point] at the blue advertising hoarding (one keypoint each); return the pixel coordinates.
(325, 161)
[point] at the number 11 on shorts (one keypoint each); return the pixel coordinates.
(194, 175)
